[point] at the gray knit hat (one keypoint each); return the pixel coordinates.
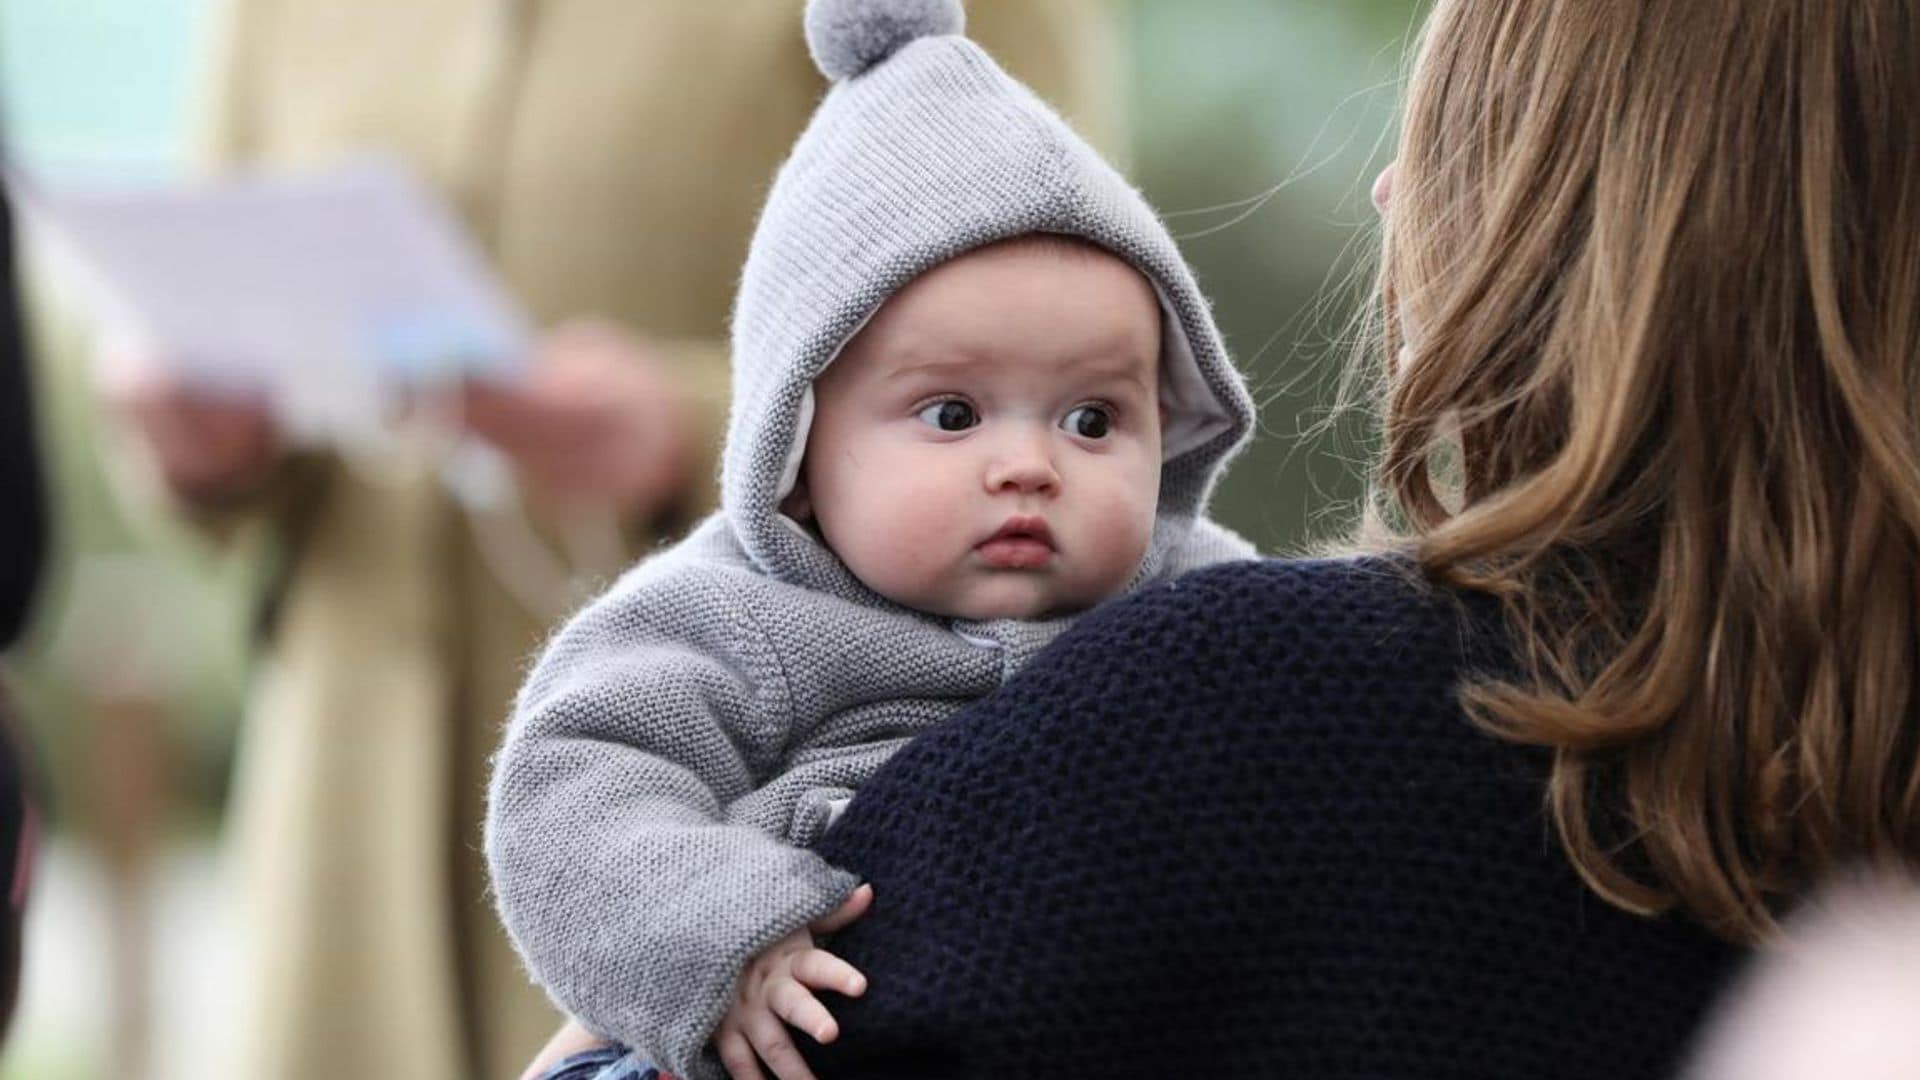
(925, 149)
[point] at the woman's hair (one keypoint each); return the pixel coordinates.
(1651, 288)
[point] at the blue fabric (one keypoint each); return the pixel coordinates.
(1237, 825)
(604, 1063)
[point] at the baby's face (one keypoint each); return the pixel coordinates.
(989, 445)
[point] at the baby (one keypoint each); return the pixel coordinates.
(977, 392)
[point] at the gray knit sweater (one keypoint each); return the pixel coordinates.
(686, 737)
(680, 744)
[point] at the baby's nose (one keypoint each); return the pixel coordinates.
(1023, 467)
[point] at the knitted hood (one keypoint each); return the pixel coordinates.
(923, 150)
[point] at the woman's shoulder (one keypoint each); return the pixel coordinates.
(1255, 783)
(1301, 664)
(1325, 592)
(1285, 619)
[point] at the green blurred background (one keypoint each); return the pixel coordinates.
(1257, 126)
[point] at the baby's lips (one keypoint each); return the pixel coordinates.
(1015, 552)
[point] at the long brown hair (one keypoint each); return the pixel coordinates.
(1652, 283)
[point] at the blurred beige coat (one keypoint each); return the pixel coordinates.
(611, 155)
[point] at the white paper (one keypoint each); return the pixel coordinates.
(327, 292)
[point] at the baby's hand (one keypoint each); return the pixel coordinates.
(777, 990)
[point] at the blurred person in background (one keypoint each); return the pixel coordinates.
(23, 537)
(608, 155)
(1840, 1000)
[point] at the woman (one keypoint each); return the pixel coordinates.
(1507, 795)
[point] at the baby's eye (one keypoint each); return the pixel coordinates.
(1089, 421)
(949, 415)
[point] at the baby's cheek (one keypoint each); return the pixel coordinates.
(907, 529)
(1118, 530)
(920, 506)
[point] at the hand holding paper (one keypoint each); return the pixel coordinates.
(211, 447)
(329, 295)
(595, 416)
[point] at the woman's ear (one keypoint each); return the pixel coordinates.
(1383, 186)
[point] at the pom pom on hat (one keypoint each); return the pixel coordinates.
(847, 37)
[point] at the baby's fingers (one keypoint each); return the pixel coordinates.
(736, 1053)
(773, 1041)
(850, 909)
(797, 1006)
(822, 970)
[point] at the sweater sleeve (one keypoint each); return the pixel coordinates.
(630, 898)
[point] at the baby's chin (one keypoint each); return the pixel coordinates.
(991, 612)
(1008, 598)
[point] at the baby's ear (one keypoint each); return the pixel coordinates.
(798, 505)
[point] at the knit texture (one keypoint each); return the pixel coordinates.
(677, 747)
(1237, 825)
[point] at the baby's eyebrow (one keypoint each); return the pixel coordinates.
(1102, 367)
(1108, 369)
(1129, 374)
(943, 365)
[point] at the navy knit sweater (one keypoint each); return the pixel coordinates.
(1238, 826)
